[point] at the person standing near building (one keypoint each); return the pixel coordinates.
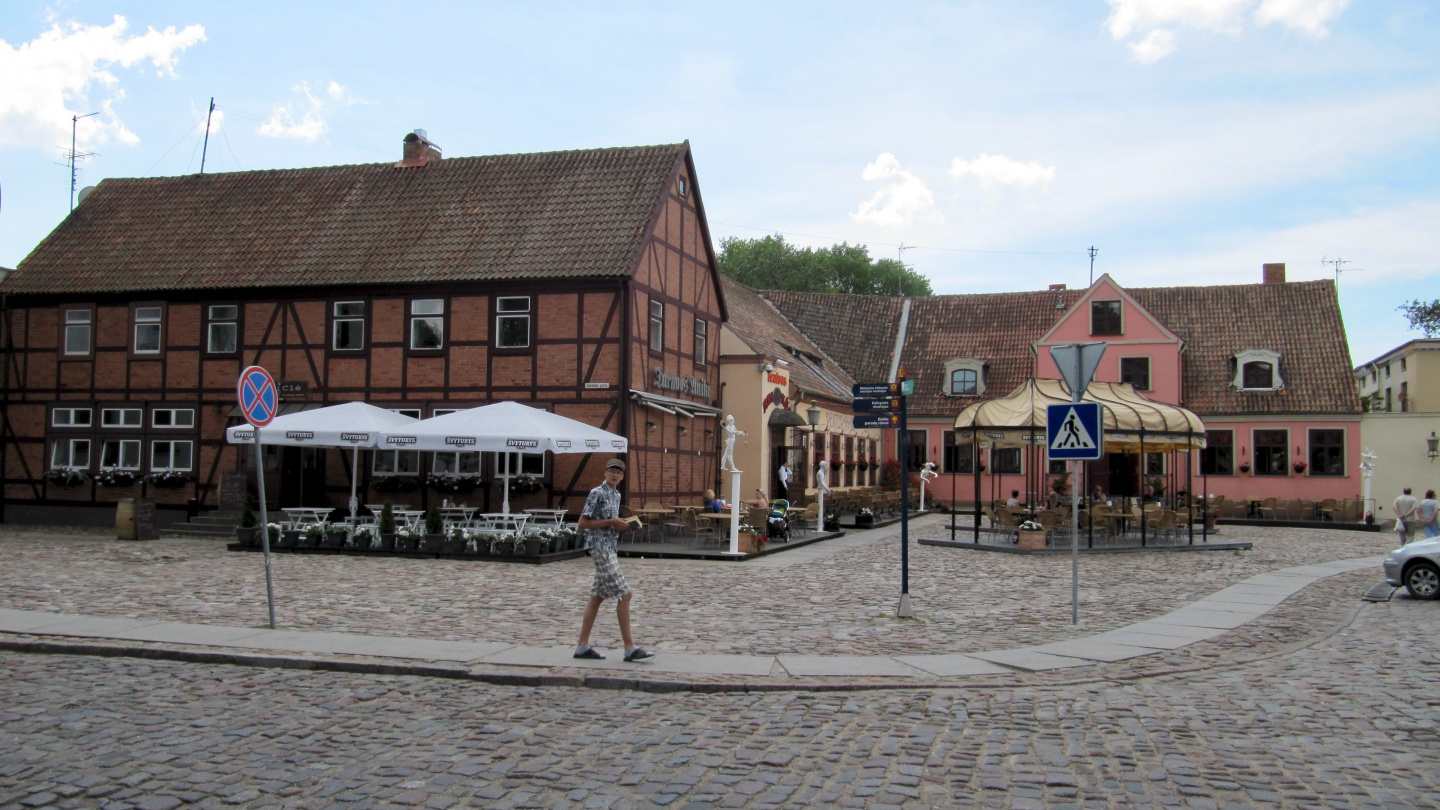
(1429, 515)
(1406, 516)
(785, 479)
(602, 524)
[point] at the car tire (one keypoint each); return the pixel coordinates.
(1422, 580)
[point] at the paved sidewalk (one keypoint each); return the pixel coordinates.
(1206, 618)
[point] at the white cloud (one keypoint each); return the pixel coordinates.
(1153, 21)
(49, 79)
(338, 92)
(309, 127)
(996, 172)
(903, 201)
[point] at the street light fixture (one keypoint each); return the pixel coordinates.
(1433, 447)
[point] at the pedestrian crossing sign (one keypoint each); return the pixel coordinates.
(1073, 431)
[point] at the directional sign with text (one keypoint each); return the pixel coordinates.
(1073, 431)
(885, 405)
(257, 396)
(895, 389)
(876, 420)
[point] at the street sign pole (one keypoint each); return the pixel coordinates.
(905, 611)
(264, 527)
(1076, 363)
(259, 402)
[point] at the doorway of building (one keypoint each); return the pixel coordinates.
(1124, 467)
(302, 477)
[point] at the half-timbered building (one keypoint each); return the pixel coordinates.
(581, 282)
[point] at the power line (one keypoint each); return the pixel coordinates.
(905, 246)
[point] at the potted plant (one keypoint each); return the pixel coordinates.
(748, 539)
(864, 518)
(980, 467)
(361, 537)
(396, 483)
(289, 538)
(832, 522)
(1299, 467)
(312, 537)
(337, 535)
(407, 539)
(276, 532)
(835, 463)
(455, 541)
(66, 477)
(1061, 483)
(1031, 535)
(534, 545)
(385, 525)
(434, 530)
(117, 478)
(248, 532)
(168, 479)
(1244, 466)
(454, 484)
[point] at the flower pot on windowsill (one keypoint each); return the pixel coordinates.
(1245, 468)
(1299, 467)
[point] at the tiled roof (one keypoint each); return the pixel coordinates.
(858, 331)
(767, 332)
(528, 216)
(1300, 320)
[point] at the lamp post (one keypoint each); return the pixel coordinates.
(1432, 446)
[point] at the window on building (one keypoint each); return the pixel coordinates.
(171, 455)
(964, 382)
(1404, 397)
(347, 331)
(223, 333)
(172, 418)
(520, 463)
(77, 331)
(396, 462)
(413, 413)
(701, 328)
(1154, 463)
(1272, 452)
(70, 417)
(657, 326)
(957, 458)
(427, 323)
(1402, 364)
(456, 463)
(1388, 407)
(1327, 452)
(148, 322)
(512, 322)
(1136, 371)
(964, 377)
(1005, 461)
(1218, 457)
(122, 417)
(1058, 467)
(120, 454)
(1387, 371)
(70, 453)
(916, 442)
(874, 464)
(1105, 318)
(682, 187)
(1258, 374)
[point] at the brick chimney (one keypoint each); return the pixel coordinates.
(1274, 273)
(1057, 286)
(418, 150)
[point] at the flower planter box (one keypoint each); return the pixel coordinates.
(832, 524)
(432, 543)
(1032, 540)
(749, 543)
(387, 543)
(864, 521)
(534, 548)
(335, 539)
(248, 537)
(288, 539)
(404, 543)
(452, 546)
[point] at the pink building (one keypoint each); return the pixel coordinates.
(1266, 366)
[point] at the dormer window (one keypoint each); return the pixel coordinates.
(1105, 318)
(964, 377)
(1257, 370)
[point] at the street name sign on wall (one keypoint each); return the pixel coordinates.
(877, 420)
(1073, 431)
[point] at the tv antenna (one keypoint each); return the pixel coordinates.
(206, 148)
(1340, 267)
(72, 156)
(900, 277)
(1093, 251)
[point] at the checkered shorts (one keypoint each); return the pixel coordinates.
(609, 582)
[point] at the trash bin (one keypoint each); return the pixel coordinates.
(125, 519)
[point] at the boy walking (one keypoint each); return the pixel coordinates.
(602, 524)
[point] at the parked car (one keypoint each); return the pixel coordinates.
(1417, 567)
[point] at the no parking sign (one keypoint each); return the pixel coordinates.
(258, 398)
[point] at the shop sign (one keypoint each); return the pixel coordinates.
(299, 435)
(776, 378)
(522, 442)
(693, 386)
(355, 437)
(399, 439)
(460, 441)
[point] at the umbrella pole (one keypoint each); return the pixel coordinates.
(354, 482)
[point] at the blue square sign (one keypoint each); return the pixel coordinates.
(1073, 431)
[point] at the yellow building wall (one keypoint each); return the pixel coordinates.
(1398, 441)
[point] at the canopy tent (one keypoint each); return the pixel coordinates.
(504, 427)
(1130, 420)
(350, 424)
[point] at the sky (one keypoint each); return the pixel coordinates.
(1188, 141)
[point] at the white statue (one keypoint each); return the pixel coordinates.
(822, 478)
(927, 474)
(727, 460)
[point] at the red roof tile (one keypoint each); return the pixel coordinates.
(857, 330)
(767, 332)
(546, 215)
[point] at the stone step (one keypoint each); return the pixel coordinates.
(185, 530)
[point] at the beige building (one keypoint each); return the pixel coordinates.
(1402, 428)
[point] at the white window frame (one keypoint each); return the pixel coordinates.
(503, 316)
(339, 318)
(702, 343)
(123, 445)
(1263, 356)
(137, 413)
(148, 318)
(212, 320)
(379, 459)
(657, 326)
(174, 412)
(171, 445)
(456, 462)
(70, 446)
(525, 458)
(74, 322)
(421, 312)
(1149, 370)
(955, 364)
(70, 419)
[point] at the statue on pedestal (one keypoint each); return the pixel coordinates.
(727, 459)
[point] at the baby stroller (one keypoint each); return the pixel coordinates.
(776, 527)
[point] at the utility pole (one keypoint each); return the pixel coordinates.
(73, 155)
(206, 147)
(1093, 251)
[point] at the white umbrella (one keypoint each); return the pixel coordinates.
(503, 427)
(350, 424)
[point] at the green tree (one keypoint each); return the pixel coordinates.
(1423, 316)
(771, 263)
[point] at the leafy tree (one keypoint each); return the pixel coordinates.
(1423, 316)
(771, 263)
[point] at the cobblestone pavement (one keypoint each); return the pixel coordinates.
(836, 604)
(1349, 719)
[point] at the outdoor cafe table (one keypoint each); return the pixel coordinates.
(377, 508)
(307, 515)
(457, 514)
(546, 517)
(504, 522)
(409, 517)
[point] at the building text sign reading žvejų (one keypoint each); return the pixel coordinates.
(1073, 431)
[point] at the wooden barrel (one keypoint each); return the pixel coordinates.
(125, 519)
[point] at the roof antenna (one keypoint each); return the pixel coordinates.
(73, 156)
(1340, 268)
(1093, 251)
(900, 276)
(206, 147)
